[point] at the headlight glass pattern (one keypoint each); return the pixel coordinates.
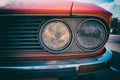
(91, 35)
(55, 35)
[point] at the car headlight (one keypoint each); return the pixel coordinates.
(91, 35)
(55, 35)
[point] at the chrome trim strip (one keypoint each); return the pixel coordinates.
(89, 15)
(77, 63)
(34, 14)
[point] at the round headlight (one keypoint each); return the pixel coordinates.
(91, 35)
(55, 36)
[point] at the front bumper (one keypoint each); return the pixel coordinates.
(54, 68)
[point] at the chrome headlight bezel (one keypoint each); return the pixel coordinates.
(100, 45)
(64, 48)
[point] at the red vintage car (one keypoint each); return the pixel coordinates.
(49, 39)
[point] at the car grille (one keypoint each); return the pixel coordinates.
(20, 33)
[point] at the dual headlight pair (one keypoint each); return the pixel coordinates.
(57, 35)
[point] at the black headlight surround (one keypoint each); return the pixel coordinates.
(101, 44)
(65, 48)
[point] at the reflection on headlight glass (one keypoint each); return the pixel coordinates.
(91, 34)
(55, 35)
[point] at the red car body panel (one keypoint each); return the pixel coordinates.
(92, 10)
(55, 7)
(38, 6)
(45, 64)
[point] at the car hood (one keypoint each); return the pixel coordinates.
(36, 6)
(53, 7)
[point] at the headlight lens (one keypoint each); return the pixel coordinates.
(55, 35)
(91, 35)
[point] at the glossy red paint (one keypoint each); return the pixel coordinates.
(28, 56)
(53, 7)
(92, 10)
(48, 7)
(37, 6)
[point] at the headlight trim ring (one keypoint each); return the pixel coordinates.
(65, 48)
(85, 50)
